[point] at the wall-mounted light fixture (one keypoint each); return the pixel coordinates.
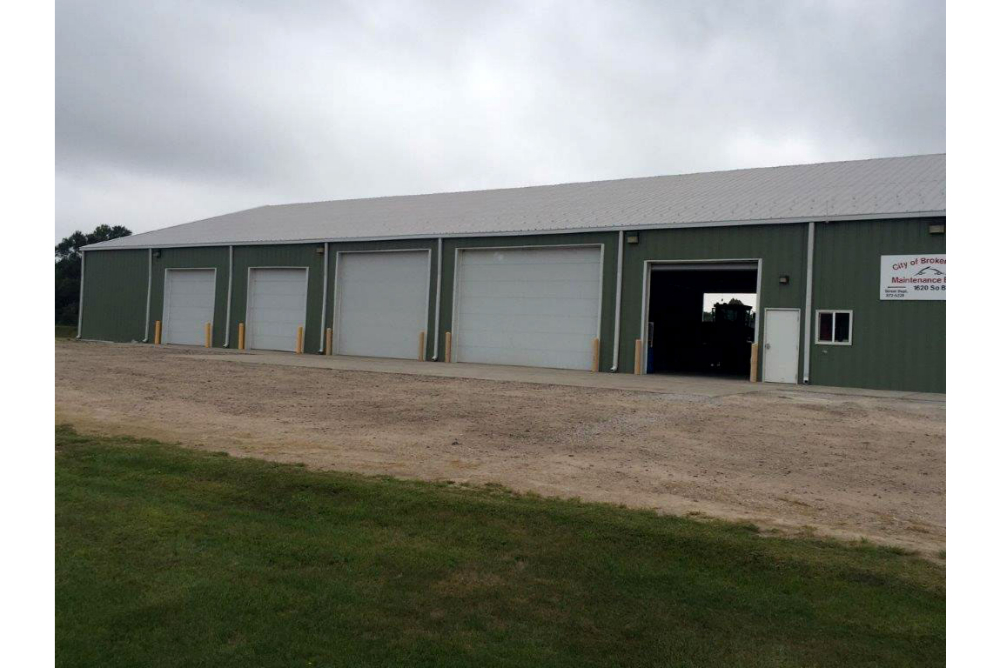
(319, 250)
(936, 228)
(784, 279)
(632, 238)
(156, 253)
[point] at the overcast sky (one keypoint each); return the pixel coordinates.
(171, 111)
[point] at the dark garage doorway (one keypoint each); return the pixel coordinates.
(702, 318)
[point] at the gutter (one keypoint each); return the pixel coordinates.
(149, 293)
(229, 297)
(807, 325)
(437, 302)
(618, 300)
(322, 315)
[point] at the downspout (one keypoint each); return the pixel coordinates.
(437, 301)
(149, 292)
(807, 329)
(322, 313)
(618, 300)
(229, 297)
(79, 311)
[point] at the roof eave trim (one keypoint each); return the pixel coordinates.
(524, 233)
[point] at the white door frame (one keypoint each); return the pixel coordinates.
(337, 287)
(798, 339)
(166, 292)
(249, 300)
(458, 264)
(647, 271)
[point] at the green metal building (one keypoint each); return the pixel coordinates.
(841, 267)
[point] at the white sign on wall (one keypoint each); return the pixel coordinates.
(913, 277)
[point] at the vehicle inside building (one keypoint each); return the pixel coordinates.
(701, 318)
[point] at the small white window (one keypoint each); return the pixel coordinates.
(834, 328)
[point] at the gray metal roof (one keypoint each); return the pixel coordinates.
(878, 188)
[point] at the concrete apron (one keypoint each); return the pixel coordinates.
(661, 384)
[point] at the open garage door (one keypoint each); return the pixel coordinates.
(188, 304)
(530, 307)
(701, 317)
(276, 307)
(381, 303)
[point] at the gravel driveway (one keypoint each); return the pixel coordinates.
(847, 466)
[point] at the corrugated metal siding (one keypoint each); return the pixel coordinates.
(305, 256)
(896, 345)
(780, 247)
(609, 240)
(191, 258)
(114, 297)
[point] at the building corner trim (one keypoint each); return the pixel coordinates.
(79, 310)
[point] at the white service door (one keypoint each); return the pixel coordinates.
(781, 345)
(530, 307)
(276, 308)
(382, 303)
(188, 303)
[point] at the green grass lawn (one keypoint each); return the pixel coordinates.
(65, 331)
(170, 557)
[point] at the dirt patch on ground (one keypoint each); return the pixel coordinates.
(846, 466)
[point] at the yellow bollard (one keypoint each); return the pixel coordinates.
(753, 363)
(242, 342)
(422, 355)
(637, 364)
(157, 331)
(329, 340)
(595, 364)
(298, 341)
(208, 335)
(447, 347)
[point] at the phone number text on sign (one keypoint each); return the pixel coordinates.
(906, 277)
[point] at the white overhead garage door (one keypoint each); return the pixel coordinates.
(188, 303)
(276, 308)
(381, 303)
(530, 307)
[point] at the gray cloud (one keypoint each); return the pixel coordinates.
(171, 111)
